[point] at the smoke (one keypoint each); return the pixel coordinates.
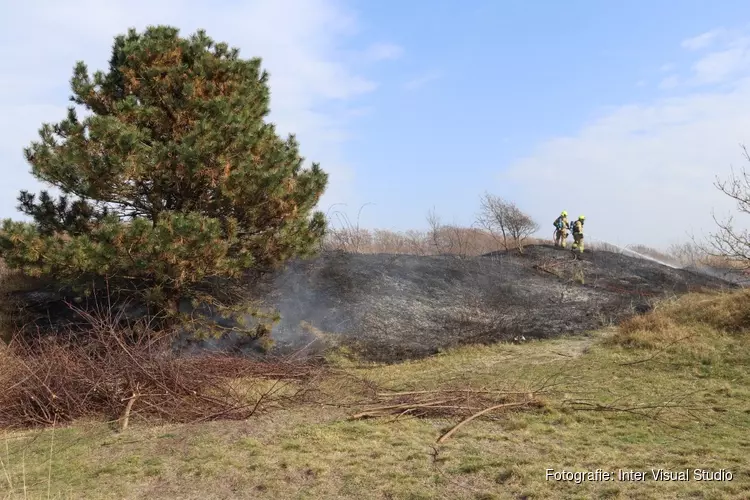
(316, 303)
(396, 307)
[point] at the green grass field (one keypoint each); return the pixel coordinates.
(670, 390)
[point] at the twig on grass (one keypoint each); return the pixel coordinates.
(128, 407)
(449, 391)
(465, 421)
(657, 353)
(638, 410)
(376, 412)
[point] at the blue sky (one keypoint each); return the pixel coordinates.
(623, 111)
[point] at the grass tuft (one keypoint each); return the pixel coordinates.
(699, 327)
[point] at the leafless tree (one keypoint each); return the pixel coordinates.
(729, 241)
(492, 217)
(415, 241)
(433, 220)
(458, 240)
(499, 215)
(348, 236)
(520, 226)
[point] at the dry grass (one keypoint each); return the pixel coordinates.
(608, 403)
(723, 262)
(649, 415)
(696, 323)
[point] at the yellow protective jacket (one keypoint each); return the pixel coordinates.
(578, 227)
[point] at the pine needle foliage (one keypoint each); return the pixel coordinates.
(173, 177)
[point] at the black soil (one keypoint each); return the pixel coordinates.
(395, 307)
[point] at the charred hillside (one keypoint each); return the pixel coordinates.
(394, 307)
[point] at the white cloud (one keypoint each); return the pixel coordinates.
(421, 81)
(384, 51)
(669, 82)
(729, 60)
(718, 66)
(666, 68)
(300, 42)
(644, 172)
(703, 40)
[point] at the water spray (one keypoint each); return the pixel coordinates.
(628, 250)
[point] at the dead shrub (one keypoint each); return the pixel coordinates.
(118, 372)
(722, 262)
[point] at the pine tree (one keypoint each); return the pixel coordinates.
(173, 176)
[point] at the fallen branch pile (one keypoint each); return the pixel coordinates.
(465, 404)
(116, 374)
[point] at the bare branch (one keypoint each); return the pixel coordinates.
(498, 215)
(730, 242)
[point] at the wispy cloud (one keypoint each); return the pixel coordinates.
(703, 40)
(720, 65)
(728, 58)
(421, 81)
(666, 68)
(669, 82)
(384, 51)
(300, 42)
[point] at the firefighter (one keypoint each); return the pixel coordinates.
(561, 229)
(577, 229)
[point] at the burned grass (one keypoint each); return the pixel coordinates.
(396, 307)
(390, 308)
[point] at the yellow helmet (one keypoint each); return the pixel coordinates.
(582, 217)
(564, 213)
